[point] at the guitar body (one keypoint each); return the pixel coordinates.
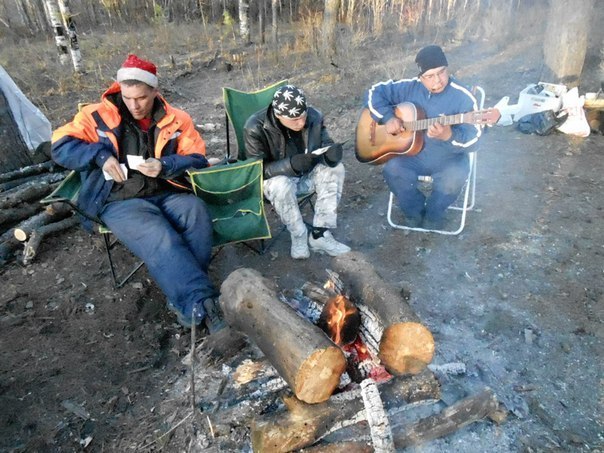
(375, 146)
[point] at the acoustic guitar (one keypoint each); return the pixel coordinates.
(375, 146)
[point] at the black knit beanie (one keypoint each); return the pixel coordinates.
(430, 57)
(289, 101)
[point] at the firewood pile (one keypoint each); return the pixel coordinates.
(338, 364)
(24, 221)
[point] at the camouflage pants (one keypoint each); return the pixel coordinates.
(326, 182)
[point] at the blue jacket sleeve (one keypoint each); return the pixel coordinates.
(79, 155)
(176, 164)
(383, 97)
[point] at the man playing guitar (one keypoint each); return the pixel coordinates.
(444, 155)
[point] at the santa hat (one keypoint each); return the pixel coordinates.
(134, 68)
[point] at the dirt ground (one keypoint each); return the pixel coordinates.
(518, 297)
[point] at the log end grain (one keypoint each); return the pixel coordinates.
(319, 375)
(406, 348)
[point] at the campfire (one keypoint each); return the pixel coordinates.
(349, 350)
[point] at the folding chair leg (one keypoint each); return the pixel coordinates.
(117, 283)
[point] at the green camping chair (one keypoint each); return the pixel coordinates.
(239, 106)
(233, 194)
(67, 192)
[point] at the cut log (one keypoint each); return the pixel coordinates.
(30, 170)
(302, 354)
(7, 250)
(406, 346)
(32, 245)
(303, 425)
(10, 216)
(469, 410)
(52, 213)
(30, 191)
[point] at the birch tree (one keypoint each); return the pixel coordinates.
(74, 46)
(274, 30)
(244, 21)
(54, 16)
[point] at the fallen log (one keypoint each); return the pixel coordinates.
(469, 410)
(30, 170)
(52, 213)
(304, 357)
(16, 214)
(8, 245)
(406, 346)
(37, 236)
(303, 424)
(30, 191)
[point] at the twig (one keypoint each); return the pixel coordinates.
(193, 359)
(166, 433)
(211, 428)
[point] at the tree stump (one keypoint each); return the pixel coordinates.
(302, 354)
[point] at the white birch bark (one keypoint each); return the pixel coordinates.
(54, 16)
(70, 26)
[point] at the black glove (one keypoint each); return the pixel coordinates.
(333, 155)
(303, 163)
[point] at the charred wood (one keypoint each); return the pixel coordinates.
(10, 216)
(30, 170)
(52, 213)
(37, 236)
(406, 346)
(304, 357)
(7, 250)
(303, 424)
(32, 190)
(469, 410)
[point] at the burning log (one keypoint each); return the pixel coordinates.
(303, 425)
(37, 235)
(304, 357)
(406, 346)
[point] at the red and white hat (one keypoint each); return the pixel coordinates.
(134, 68)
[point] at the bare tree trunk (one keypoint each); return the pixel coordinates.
(244, 21)
(274, 30)
(54, 15)
(74, 46)
(565, 43)
(330, 29)
(262, 20)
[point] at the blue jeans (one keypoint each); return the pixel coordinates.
(172, 234)
(448, 178)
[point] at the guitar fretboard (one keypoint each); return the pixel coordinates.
(447, 120)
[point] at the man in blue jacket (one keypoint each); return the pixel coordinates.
(132, 149)
(444, 156)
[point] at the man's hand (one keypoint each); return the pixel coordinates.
(440, 132)
(394, 126)
(112, 167)
(303, 163)
(151, 167)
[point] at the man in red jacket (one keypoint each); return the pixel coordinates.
(132, 150)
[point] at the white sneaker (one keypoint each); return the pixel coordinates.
(299, 250)
(327, 244)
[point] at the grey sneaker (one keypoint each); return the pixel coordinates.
(214, 318)
(299, 250)
(327, 244)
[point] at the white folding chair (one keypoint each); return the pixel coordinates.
(465, 201)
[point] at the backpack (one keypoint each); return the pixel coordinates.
(540, 123)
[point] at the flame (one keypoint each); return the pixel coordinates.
(337, 312)
(329, 284)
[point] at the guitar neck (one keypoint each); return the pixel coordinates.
(445, 120)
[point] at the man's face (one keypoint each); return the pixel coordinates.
(435, 80)
(294, 124)
(139, 99)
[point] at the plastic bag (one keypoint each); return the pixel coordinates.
(540, 123)
(576, 123)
